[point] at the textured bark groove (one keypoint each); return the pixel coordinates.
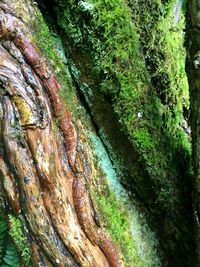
(46, 169)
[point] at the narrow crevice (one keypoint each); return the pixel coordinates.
(134, 194)
(126, 179)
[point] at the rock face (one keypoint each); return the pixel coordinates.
(193, 70)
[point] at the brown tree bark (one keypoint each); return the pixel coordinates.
(44, 172)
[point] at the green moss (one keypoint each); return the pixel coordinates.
(51, 47)
(184, 4)
(143, 139)
(21, 242)
(117, 222)
(153, 85)
(162, 42)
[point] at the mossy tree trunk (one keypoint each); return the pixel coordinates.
(193, 70)
(139, 82)
(135, 104)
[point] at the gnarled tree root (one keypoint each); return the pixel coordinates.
(50, 184)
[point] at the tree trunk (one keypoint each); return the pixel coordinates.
(193, 70)
(46, 169)
(86, 105)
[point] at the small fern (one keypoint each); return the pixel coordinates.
(10, 257)
(3, 234)
(8, 253)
